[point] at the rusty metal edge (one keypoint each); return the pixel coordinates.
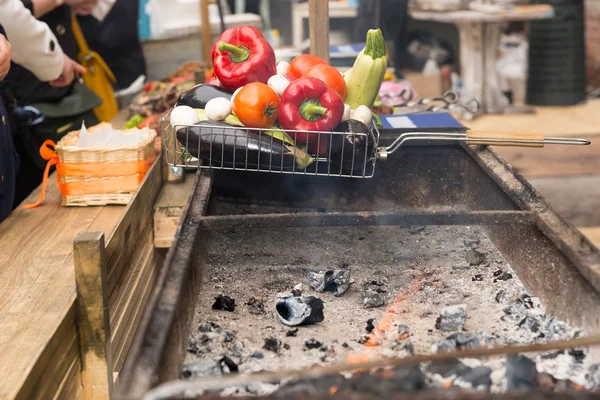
(569, 240)
(366, 218)
(161, 309)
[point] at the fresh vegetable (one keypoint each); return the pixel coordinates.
(346, 115)
(218, 109)
(302, 63)
(152, 122)
(134, 121)
(362, 114)
(331, 76)
(308, 104)
(242, 56)
(278, 83)
(230, 119)
(200, 95)
(150, 85)
(182, 116)
(367, 73)
(229, 146)
(283, 68)
(349, 151)
(256, 105)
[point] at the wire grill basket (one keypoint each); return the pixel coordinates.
(220, 146)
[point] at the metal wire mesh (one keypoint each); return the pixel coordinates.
(226, 147)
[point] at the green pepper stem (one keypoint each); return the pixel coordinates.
(311, 110)
(238, 54)
(375, 46)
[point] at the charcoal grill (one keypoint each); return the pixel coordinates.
(335, 154)
(443, 185)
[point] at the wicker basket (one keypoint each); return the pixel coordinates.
(104, 175)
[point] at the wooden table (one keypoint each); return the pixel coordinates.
(479, 41)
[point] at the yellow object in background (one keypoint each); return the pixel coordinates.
(99, 78)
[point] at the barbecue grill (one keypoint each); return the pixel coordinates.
(451, 186)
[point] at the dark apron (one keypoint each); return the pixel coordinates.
(8, 162)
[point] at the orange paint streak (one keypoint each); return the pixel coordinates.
(385, 324)
(388, 319)
(333, 390)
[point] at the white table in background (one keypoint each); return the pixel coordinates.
(479, 40)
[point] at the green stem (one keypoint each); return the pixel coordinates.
(312, 110)
(238, 54)
(375, 44)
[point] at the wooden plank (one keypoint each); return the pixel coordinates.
(592, 233)
(168, 210)
(575, 121)
(139, 304)
(318, 24)
(37, 286)
(554, 161)
(576, 198)
(137, 216)
(61, 352)
(206, 32)
(70, 387)
(92, 315)
(520, 13)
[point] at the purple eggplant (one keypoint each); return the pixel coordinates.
(199, 95)
(221, 145)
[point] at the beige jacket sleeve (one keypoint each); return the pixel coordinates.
(33, 45)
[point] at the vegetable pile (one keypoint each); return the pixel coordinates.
(285, 105)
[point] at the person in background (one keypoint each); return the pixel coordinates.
(26, 88)
(36, 48)
(114, 36)
(8, 157)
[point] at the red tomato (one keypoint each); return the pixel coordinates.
(331, 76)
(256, 105)
(302, 63)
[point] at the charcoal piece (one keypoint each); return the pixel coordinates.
(345, 345)
(292, 332)
(497, 273)
(312, 344)
(257, 354)
(459, 341)
(227, 365)
(203, 368)
(452, 318)
(403, 345)
(373, 299)
(336, 281)
(224, 303)
(302, 310)
(384, 381)
(228, 337)
(477, 378)
(475, 257)
(578, 355)
(502, 297)
(447, 369)
(309, 387)
(255, 305)
(272, 344)
(477, 278)
(296, 292)
(403, 332)
(363, 339)
(521, 373)
(209, 327)
(370, 325)
(193, 348)
(502, 276)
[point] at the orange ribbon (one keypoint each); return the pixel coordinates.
(124, 176)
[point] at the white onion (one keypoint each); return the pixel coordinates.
(217, 109)
(278, 83)
(182, 116)
(362, 113)
(282, 68)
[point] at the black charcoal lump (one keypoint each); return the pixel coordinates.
(336, 281)
(452, 318)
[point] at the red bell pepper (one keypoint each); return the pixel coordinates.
(308, 104)
(242, 56)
